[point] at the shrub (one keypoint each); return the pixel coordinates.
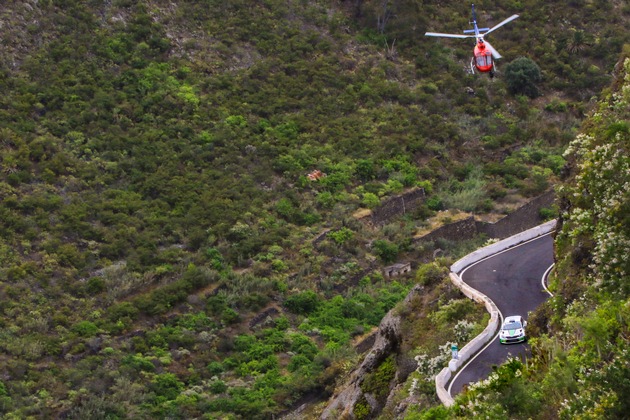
(365, 170)
(453, 310)
(138, 362)
(378, 381)
(217, 387)
(521, 76)
(370, 200)
(215, 368)
(341, 236)
(121, 311)
(166, 386)
(85, 329)
(95, 285)
(362, 409)
(302, 303)
(386, 251)
(431, 273)
(298, 361)
(548, 213)
(230, 316)
(325, 199)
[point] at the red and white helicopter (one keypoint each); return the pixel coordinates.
(484, 54)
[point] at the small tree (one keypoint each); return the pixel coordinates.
(302, 303)
(431, 273)
(387, 251)
(521, 76)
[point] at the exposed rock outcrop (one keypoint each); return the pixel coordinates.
(388, 339)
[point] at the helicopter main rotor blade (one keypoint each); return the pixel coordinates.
(495, 53)
(448, 35)
(510, 19)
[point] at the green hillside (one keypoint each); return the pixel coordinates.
(162, 251)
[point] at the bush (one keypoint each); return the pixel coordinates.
(362, 409)
(370, 200)
(548, 213)
(217, 387)
(521, 76)
(85, 329)
(215, 368)
(138, 362)
(302, 303)
(431, 273)
(166, 386)
(298, 361)
(95, 285)
(377, 382)
(342, 235)
(386, 251)
(230, 316)
(453, 310)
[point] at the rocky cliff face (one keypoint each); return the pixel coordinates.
(387, 342)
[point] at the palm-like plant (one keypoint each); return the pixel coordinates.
(578, 42)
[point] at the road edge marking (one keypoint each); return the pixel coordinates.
(545, 276)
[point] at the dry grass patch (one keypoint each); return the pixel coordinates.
(440, 219)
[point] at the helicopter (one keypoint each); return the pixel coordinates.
(483, 54)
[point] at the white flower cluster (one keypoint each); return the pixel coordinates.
(621, 99)
(484, 383)
(429, 367)
(413, 387)
(601, 192)
(462, 330)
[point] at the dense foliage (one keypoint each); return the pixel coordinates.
(162, 250)
(521, 76)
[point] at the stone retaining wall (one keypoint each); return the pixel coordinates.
(397, 206)
(456, 231)
(519, 220)
(470, 349)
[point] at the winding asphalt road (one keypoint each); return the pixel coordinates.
(513, 280)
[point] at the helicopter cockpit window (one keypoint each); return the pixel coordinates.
(484, 60)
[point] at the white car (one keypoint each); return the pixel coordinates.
(513, 330)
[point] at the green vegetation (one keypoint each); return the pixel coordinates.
(579, 364)
(163, 253)
(521, 77)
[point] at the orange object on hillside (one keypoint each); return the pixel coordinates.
(316, 175)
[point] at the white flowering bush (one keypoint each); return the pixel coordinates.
(588, 377)
(429, 367)
(463, 330)
(600, 194)
(503, 394)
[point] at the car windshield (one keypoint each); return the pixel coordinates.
(515, 325)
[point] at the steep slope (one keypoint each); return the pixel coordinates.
(162, 251)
